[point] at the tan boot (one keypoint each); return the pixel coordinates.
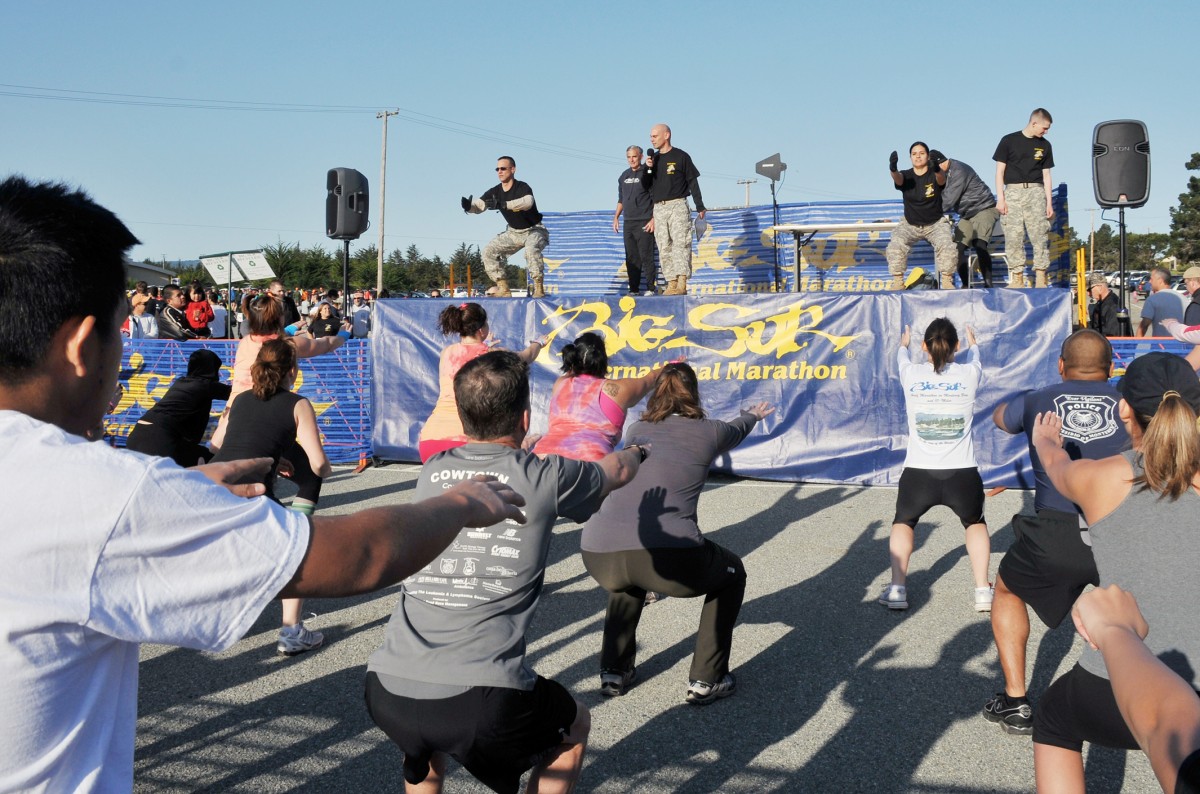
(947, 281)
(1016, 278)
(1039, 279)
(896, 283)
(539, 290)
(671, 287)
(502, 290)
(681, 285)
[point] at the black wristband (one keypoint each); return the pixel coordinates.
(642, 453)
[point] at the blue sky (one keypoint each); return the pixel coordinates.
(564, 88)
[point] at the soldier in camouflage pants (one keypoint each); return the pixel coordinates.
(496, 253)
(939, 235)
(1026, 213)
(673, 235)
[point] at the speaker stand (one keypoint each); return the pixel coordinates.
(346, 279)
(1124, 324)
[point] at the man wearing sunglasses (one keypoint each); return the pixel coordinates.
(515, 201)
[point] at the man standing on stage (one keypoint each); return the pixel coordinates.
(967, 196)
(670, 176)
(923, 219)
(1049, 564)
(634, 200)
(515, 201)
(1023, 162)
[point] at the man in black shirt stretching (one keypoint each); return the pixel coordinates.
(923, 217)
(670, 176)
(515, 201)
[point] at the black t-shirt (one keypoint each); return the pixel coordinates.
(922, 197)
(674, 176)
(327, 327)
(1024, 158)
(260, 429)
(525, 219)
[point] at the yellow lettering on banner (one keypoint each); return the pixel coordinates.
(779, 334)
(145, 388)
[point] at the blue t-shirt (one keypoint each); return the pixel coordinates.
(1162, 305)
(1091, 429)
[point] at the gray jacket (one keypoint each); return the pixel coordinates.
(965, 193)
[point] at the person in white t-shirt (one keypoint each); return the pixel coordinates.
(109, 568)
(939, 467)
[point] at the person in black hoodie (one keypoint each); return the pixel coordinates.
(174, 427)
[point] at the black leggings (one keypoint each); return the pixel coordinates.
(302, 475)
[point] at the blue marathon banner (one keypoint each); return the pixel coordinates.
(826, 361)
(336, 384)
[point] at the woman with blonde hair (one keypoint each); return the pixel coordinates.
(1141, 509)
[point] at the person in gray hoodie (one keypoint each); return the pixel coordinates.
(969, 197)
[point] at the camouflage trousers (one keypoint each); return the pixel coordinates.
(508, 242)
(673, 235)
(1026, 213)
(938, 235)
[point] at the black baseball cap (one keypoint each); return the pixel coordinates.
(1148, 378)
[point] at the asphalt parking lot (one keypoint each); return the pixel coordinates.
(835, 692)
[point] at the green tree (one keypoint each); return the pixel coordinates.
(1185, 219)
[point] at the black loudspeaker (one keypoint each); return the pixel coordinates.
(1121, 163)
(346, 204)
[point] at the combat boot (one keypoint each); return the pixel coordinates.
(1016, 278)
(947, 281)
(896, 283)
(502, 290)
(539, 290)
(1039, 279)
(681, 285)
(671, 289)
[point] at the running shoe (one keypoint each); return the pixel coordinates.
(653, 598)
(614, 683)
(894, 596)
(701, 693)
(297, 639)
(983, 599)
(1013, 715)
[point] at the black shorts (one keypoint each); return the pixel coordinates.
(920, 489)
(1080, 707)
(496, 733)
(1189, 775)
(1048, 565)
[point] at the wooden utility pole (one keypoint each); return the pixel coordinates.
(383, 114)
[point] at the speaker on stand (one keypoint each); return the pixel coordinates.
(1121, 178)
(346, 202)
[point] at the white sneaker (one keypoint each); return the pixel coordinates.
(894, 596)
(701, 693)
(297, 639)
(983, 599)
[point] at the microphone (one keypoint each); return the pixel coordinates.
(650, 153)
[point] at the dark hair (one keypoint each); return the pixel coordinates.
(464, 319)
(51, 234)
(264, 314)
(276, 360)
(941, 340)
(154, 292)
(140, 287)
(170, 291)
(511, 162)
(922, 144)
(586, 356)
(492, 393)
(677, 391)
(1041, 113)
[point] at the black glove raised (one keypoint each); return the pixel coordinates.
(893, 160)
(936, 158)
(466, 203)
(492, 203)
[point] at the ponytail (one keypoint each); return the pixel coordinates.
(1170, 450)
(275, 362)
(464, 319)
(941, 340)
